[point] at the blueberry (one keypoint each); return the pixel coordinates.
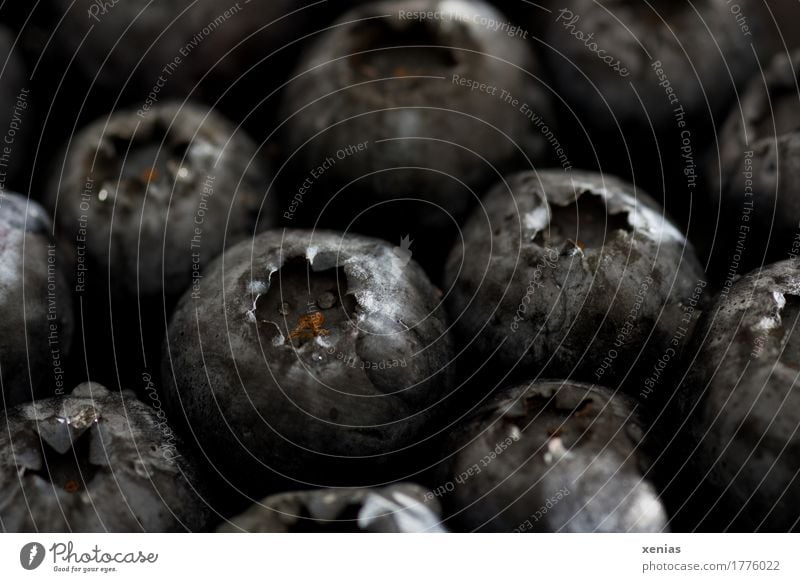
(36, 323)
(595, 74)
(399, 508)
(141, 51)
(550, 456)
(644, 84)
(176, 170)
(146, 202)
(742, 401)
(275, 386)
(433, 106)
(752, 177)
(94, 461)
(573, 275)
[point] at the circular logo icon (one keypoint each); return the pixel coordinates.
(31, 555)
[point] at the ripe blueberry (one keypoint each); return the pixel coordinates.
(550, 456)
(94, 461)
(146, 202)
(436, 107)
(310, 356)
(742, 401)
(573, 275)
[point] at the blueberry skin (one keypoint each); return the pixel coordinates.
(201, 49)
(685, 38)
(307, 356)
(550, 456)
(742, 401)
(573, 275)
(146, 185)
(445, 141)
(94, 461)
(36, 323)
(762, 139)
(399, 508)
(643, 97)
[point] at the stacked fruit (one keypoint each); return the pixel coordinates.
(346, 260)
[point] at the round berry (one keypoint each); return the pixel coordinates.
(410, 117)
(94, 461)
(276, 385)
(145, 202)
(742, 400)
(550, 456)
(146, 192)
(573, 275)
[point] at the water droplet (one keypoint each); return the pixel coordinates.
(183, 173)
(102, 196)
(317, 357)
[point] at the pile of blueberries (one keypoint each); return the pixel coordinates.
(399, 266)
